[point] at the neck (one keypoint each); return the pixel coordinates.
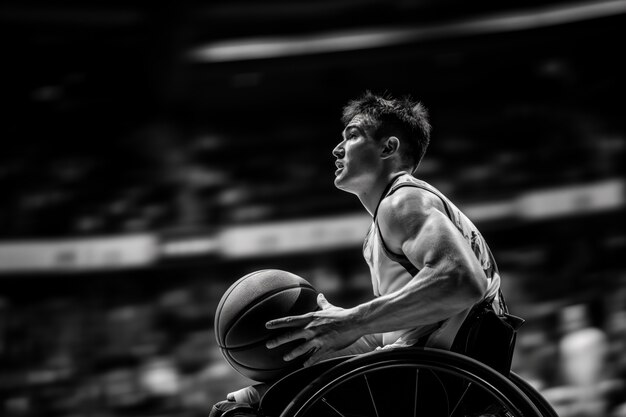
(371, 197)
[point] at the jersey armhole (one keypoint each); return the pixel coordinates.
(401, 258)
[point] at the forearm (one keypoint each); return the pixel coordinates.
(429, 298)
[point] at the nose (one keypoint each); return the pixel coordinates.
(338, 151)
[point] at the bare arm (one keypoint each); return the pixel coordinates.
(450, 280)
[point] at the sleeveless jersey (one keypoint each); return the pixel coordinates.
(391, 271)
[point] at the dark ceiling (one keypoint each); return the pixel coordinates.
(112, 86)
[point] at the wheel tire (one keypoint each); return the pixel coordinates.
(497, 385)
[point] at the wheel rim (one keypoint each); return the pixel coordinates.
(497, 386)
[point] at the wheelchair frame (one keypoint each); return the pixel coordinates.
(305, 392)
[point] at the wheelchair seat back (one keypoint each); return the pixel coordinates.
(488, 337)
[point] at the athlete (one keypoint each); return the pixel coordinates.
(429, 264)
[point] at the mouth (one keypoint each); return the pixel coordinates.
(339, 166)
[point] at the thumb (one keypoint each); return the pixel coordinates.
(322, 302)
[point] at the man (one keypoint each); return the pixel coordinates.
(428, 262)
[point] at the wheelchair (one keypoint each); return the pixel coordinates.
(403, 382)
(472, 379)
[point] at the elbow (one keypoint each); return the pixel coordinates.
(470, 285)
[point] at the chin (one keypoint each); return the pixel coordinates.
(338, 182)
(341, 185)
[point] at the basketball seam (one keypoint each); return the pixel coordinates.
(228, 293)
(254, 302)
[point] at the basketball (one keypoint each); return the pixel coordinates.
(242, 313)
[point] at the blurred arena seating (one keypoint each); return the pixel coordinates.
(152, 156)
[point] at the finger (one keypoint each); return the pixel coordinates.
(289, 337)
(291, 321)
(313, 359)
(322, 302)
(303, 349)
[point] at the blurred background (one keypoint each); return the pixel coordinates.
(151, 156)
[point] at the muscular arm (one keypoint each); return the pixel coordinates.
(450, 280)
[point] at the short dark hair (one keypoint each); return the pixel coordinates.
(405, 118)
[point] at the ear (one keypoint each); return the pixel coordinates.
(390, 147)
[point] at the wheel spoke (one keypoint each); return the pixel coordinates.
(371, 396)
(333, 408)
(461, 398)
(417, 373)
(445, 392)
(449, 392)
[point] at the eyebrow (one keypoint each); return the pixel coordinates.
(353, 126)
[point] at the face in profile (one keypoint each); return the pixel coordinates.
(358, 156)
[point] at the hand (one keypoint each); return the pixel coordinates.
(324, 331)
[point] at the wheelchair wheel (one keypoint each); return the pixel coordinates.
(541, 403)
(411, 382)
(282, 391)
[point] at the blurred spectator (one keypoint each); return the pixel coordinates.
(535, 355)
(616, 329)
(583, 367)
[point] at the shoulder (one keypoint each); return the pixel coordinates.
(408, 202)
(406, 210)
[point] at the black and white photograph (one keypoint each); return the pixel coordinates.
(311, 208)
